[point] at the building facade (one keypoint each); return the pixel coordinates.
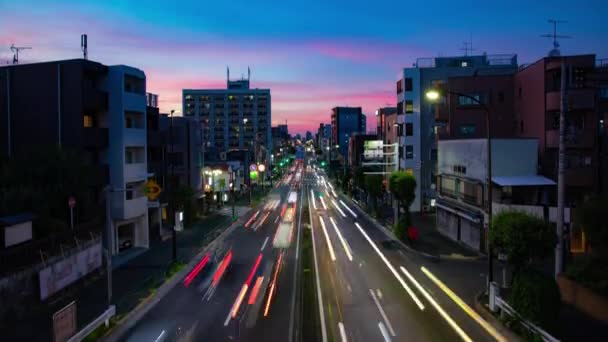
(344, 122)
(416, 115)
(235, 118)
(355, 148)
(97, 110)
(462, 187)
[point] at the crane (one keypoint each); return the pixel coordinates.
(16, 49)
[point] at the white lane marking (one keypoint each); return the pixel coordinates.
(439, 309)
(312, 195)
(323, 202)
(382, 313)
(277, 219)
(264, 244)
(299, 225)
(379, 293)
(384, 332)
(391, 268)
(160, 337)
(342, 331)
(347, 208)
(329, 246)
(342, 241)
(338, 208)
(319, 295)
(228, 318)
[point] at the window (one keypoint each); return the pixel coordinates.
(134, 155)
(409, 129)
(134, 120)
(399, 87)
(400, 107)
(409, 151)
(409, 106)
(408, 84)
(88, 121)
(464, 64)
(604, 90)
(467, 130)
(466, 101)
(134, 84)
(134, 190)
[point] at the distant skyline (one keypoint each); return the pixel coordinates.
(313, 55)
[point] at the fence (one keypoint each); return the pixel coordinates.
(497, 304)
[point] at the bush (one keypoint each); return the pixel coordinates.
(399, 230)
(536, 297)
(591, 272)
(522, 237)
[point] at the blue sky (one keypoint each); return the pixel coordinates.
(314, 54)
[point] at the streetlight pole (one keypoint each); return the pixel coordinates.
(433, 95)
(171, 206)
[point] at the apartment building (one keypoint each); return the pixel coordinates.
(387, 128)
(416, 115)
(344, 122)
(91, 108)
(235, 118)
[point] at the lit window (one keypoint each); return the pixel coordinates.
(409, 171)
(409, 106)
(409, 151)
(464, 64)
(88, 121)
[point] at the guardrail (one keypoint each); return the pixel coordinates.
(104, 318)
(497, 304)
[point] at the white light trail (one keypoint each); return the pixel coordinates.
(342, 241)
(347, 208)
(338, 208)
(329, 246)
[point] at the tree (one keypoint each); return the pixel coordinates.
(522, 237)
(373, 185)
(182, 198)
(403, 186)
(586, 217)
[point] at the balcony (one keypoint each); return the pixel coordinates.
(135, 207)
(578, 99)
(581, 139)
(94, 100)
(134, 102)
(95, 137)
(135, 172)
(581, 176)
(135, 137)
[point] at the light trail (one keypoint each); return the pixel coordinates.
(329, 246)
(323, 202)
(255, 290)
(382, 313)
(312, 195)
(342, 332)
(239, 300)
(264, 244)
(347, 208)
(255, 267)
(196, 270)
(342, 240)
(338, 208)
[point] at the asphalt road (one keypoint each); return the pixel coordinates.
(207, 310)
(364, 299)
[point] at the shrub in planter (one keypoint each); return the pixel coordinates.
(536, 297)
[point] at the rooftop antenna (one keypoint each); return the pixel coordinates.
(83, 45)
(555, 51)
(248, 74)
(227, 73)
(16, 50)
(468, 46)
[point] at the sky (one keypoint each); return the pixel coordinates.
(314, 55)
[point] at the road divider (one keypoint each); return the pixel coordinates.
(391, 268)
(437, 307)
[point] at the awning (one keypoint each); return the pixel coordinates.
(532, 180)
(458, 212)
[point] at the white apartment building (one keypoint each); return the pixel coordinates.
(127, 157)
(416, 115)
(237, 118)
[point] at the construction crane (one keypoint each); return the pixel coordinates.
(15, 50)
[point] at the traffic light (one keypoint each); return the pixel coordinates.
(323, 163)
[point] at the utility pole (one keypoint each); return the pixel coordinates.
(559, 247)
(203, 143)
(171, 205)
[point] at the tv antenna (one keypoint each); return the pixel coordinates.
(15, 50)
(555, 51)
(83, 45)
(468, 46)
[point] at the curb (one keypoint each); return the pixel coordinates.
(436, 257)
(485, 313)
(135, 315)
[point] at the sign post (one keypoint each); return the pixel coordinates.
(64, 323)
(71, 204)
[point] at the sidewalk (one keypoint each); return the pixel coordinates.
(431, 241)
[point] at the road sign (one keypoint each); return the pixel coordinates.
(64, 323)
(152, 189)
(253, 167)
(71, 202)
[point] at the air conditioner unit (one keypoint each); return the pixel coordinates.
(222, 155)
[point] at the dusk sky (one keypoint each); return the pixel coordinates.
(313, 55)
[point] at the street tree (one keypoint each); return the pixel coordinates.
(373, 185)
(587, 217)
(403, 186)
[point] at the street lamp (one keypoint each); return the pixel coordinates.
(433, 95)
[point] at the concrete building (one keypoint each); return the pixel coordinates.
(235, 118)
(462, 174)
(157, 166)
(416, 116)
(97, 110)
(344, 122)
(183, 152)
(386, 125)
(280, 137)
(355, 148)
